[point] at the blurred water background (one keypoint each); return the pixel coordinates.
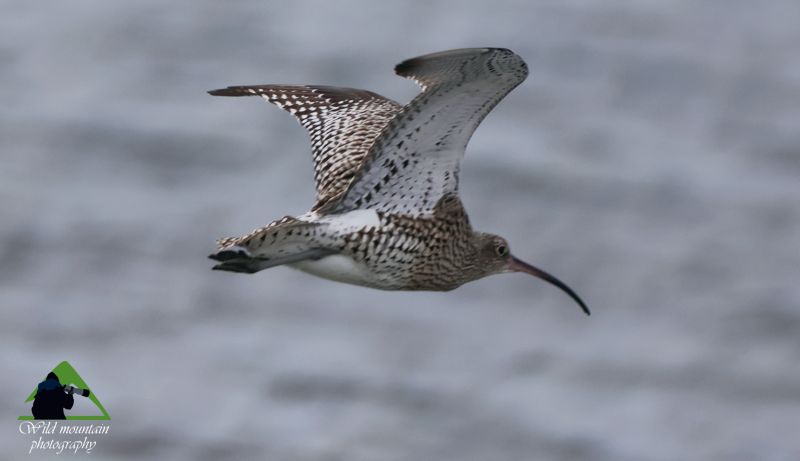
(651, 161)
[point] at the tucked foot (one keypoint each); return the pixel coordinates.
(242, 266)
(227, 254)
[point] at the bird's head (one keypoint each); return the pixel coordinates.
(494, 257)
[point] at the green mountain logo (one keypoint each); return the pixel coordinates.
(67, 375)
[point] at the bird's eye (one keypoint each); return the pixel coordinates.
(502, 250)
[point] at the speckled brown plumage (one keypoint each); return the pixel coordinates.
(342, 124)
(387, 213)
(413, 253)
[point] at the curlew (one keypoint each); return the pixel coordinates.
(387, 213)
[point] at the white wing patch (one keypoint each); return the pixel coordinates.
(352, 221)
(371, 153)
(415, 160)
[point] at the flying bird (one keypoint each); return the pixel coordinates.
(387, 213)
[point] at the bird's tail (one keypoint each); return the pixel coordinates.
(285, 241)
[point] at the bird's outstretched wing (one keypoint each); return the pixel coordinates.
(341, 122)
(415, 160)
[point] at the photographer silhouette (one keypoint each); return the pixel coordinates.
(51, 399)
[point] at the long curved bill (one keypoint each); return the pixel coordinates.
(521, 266)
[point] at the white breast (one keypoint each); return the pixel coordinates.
(340, 268)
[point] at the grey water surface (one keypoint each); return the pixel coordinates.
(651, 161)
